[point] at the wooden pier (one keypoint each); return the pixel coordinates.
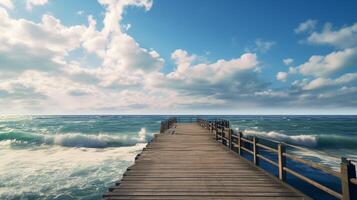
(187, 162)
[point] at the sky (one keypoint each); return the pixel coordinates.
(178, 57)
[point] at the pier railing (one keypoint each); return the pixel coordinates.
(186, 119)
(238, 143)
(166, 124)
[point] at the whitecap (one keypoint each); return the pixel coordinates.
(306, 140)
(101, 140)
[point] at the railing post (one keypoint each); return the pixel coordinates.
(282, 162)
(230, 138)
(239, 143)
(216, 132)
(255, 151)
(348, 171)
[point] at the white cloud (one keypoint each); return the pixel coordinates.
(7, 4)
(45, 46)
(318, 83)
(126, 27)
(264, 46)
(345, 37)
(292, 70)
(49, 34)
(182, 61)
(271, 93)
(31, 3)
(224, 80)
(28, 45)
(40, 70)
(120, 53)
(115, 10)
(35, 50)
(211, 73)
(324, 68)
(324, 82)
(288, 61)
(306, 26)
(93, 40)
(281, 76)
(130, 56)
(326, 65)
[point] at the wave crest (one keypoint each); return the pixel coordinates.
(316, 141)
(77, 139)
(306, 140)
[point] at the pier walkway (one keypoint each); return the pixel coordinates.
(186, 162)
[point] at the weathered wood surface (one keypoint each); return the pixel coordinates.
(190, 164)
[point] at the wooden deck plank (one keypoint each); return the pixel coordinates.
(190, 164)
(198, 197)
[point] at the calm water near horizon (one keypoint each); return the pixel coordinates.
(78, 157)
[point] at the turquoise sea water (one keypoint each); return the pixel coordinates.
(78, 157)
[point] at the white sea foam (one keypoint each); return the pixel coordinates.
(96, 141)
(332, 161)
(84, 140)
(56, 172)
(306, 140)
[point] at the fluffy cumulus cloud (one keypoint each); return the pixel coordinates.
(281, 76)
(38, 73)
(323, 66)
(7, 4)
(210, 72)
(328, 79)
(323, 79)
(124, 61)
(40, 70)
(348, 78)
(345, 37)
(36, 57)
(28, 45)
(326, 65)
(222, 82)
(31, 3)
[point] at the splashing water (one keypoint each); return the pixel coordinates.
(67, 157)
(78, 157)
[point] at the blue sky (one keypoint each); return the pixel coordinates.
(158, 57)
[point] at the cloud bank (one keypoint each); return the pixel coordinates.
(41, 74)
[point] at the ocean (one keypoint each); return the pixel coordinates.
(78, 157)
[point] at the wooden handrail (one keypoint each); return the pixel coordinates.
(235, 143)
(267, 148)
(268, 160)
(247, 150)
(246, 140)
(314, 183)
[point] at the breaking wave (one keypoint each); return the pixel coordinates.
(75, 139)
(316, 141)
